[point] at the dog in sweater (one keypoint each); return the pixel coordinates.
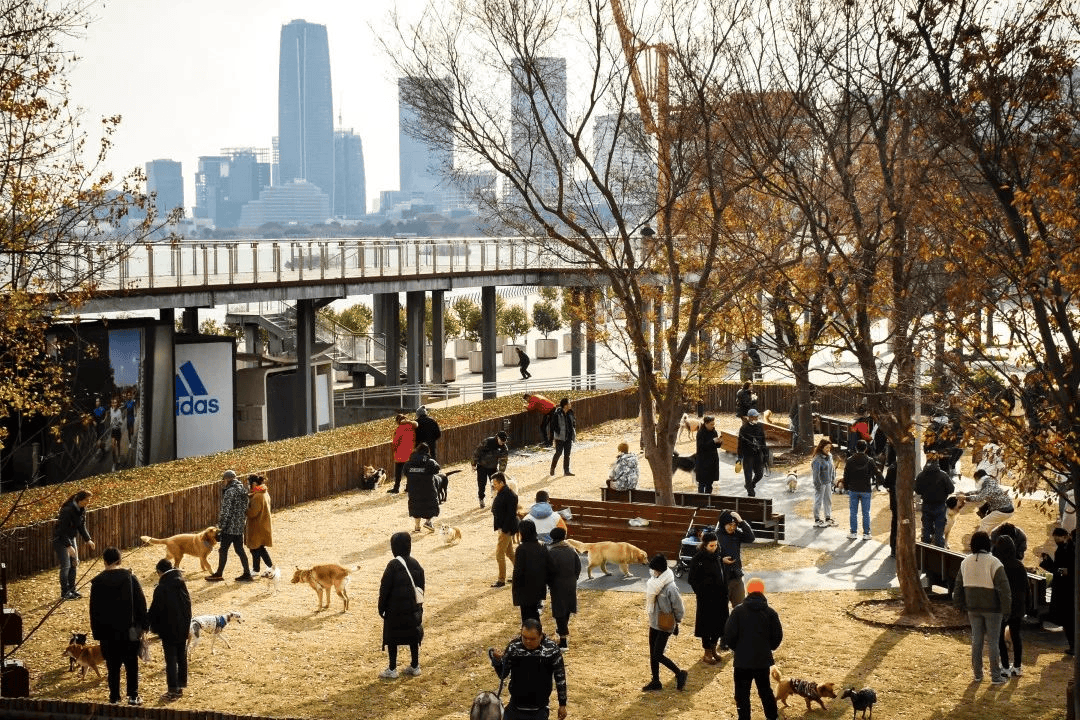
(214, 625)
(808, 691)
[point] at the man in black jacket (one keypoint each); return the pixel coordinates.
(753, 631)
(752, 451)
(533, 662)
(504, 513)
(935, 486)
(117, 608)
(70, 525)
(427, 431)
(859, 474)
(489, 457)
(170, 617)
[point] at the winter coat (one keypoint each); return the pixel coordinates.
(1018, 587)
(823, 470)
(1061, 588)
(1018, 536)
(260, 529)
(544, 517)
(402, 617)
(70, 522)
(504, 511)
(859, 473)
(934, 485)
(564, 425)
(539, 404)
(753, 631)
(234, 504)
(731, 546)
(532, 568)
(562, 582)
(625, 471)
(708, 456)
(489, 454)
(532, 673)
(428, 431)
(745, 402)
(993, 494)
(668, 600)
(420, 485)
(170, 611)
(404, 441)
(981, 585)
(706, 577)
(116, 604)
(752, 441)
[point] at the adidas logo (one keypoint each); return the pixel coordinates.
(192, 398)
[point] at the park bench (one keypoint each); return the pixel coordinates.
(600, 520)
(755, 510)
(834, 428)
(941, 566)
(776, 437)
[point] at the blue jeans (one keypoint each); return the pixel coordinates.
(985, 626)
(68, 566)
(854, 500)
(933, 524)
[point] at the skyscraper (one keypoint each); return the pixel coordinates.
(424, 167)
(164, 178)
(539, 146)
(350, 188)
(305, 106)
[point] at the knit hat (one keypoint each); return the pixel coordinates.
(725, 518)
(756, 585)
(557, 534)
(752, 413)
(658, 563)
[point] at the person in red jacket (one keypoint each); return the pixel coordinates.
(540, 404)
(403, 443)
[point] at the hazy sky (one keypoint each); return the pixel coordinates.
(193, 76)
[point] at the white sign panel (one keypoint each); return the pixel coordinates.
(204, 398)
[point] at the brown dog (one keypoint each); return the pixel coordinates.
(85, 656)
(601, 553)
(808, 691)
(450, 535)
(195, 544)
(324, 577)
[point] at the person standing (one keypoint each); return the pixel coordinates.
(532, 571)
(504, 513)
(523, 364)
(625, 471)
(1013, 617)
(859, 474)
(564, 430)
(753, 632)
(539, 404)
(1061, 588)
(823, 471)
(489, 457)
(734, 533)
(402, 444)
(427, 431)
(706, 577)
(420, 474)
(170, 617)
(116, 430)
(260, 527)
(708, 455)
(662, 597)
(402, 615)
(232, 519)
(1018, 536)
(745, 400)
(117, 621)
(752, 451)
(70, 525)
(533, 663)
(982, 589)
(934, 486)
(562, 583)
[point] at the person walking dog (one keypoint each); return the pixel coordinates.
(232, 519)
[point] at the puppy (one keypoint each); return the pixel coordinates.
(955, 504)
(196, 544)
(601, 553)
(792, 482)
(686, 463)
(77, 638)
(808, 691)
(486, 706)
(85, 656)
(324, 577)
(450, 535)
(861, 700)
(212, 624)
(690, 424)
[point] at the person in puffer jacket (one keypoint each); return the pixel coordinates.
(982, 589)
(544, 517)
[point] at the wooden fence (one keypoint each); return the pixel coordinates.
(831, 400)
(34, 709)
(28, 549)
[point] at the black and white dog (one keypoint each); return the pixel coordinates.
(686, 463)
(212, 624)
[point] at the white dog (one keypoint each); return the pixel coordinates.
(212, 624)
(792, 482)
(691, 424)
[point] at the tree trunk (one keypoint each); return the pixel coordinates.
(805, 440)
(907, 572)
(657, 439)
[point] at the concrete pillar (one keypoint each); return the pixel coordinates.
(378, 324)
(575, 347)
(590, 342)
(167, 316)
(392, 339)
(191, 321)
(438, 336)
(252, 345)
(303, 407)
(487, 339)
(414, 343)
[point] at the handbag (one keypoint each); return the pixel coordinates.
(665, 621)
(418, 590)
(738, 466)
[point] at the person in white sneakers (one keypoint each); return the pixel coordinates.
(402, 615)
(824, 472)
(982, 589)
(859, 474)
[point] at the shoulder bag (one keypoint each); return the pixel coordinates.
(418, 590)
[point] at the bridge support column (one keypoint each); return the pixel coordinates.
(590, 341)
(487, 339)
(252, 345)
(575, 344)
(391, 338)
(302, 392)
(414, 342)
(191, 321)
(167, 316)
(438, 336)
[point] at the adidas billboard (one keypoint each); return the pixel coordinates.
(204, 392)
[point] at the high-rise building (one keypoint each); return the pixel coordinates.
(424, 167)
(165, 180)
(210, 186)
(623, 157)
(350, 188)
(305, 107)
(296, 202)
(226, 182)
(540, 148)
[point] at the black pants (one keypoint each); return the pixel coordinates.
(258, 555)
(562, 627)
(399, 470)
(760, 677)
(545, 428)
(117, 652)
(657, 643)
(513, 713)
(482, 476)
(525, 374)
(175, 655)
(530, 610)
(562, 447)
(237, 542)
(1014, 625)
(414, 654)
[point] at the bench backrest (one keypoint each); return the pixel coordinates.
(752, 509)
(942, 566)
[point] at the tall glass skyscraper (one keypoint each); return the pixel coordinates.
(540, 148)
(164, 179)
(305, 107)
(350, 188)
(424, 167)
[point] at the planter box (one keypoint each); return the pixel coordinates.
(501, 341)
(546, 349)
(509, 355)
(476, 361)
(449, 370)
(463, 347)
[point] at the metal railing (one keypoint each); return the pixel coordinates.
(466, 392)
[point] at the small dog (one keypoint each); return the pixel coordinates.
(195, 544)
(77, 638)
(601, 553)
(85, 656)
(450, 535)
(324, 577)
(691, 424)
(274, 575)
(808, 691)
(861, 700)
(486, 706)
(212, 624)
(769, 419)
(792, 482)
(686, 463)
(371, 477)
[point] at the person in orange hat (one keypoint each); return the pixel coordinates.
(753, 632)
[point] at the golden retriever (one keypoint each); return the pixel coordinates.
(601, 553)
(195, 544)
(85, 656)
(324, 577)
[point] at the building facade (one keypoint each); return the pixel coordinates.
(539, 146)
(424, 167)
(350, 187)
(165, 180)
(305, 107)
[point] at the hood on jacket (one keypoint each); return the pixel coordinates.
(528, 531)
(756, 602)
(418, 457)
(401, 544)
(541, 510)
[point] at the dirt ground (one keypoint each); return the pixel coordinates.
(288, 659)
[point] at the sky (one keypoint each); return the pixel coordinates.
(191, 77)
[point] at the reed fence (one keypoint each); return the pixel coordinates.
(34, 709)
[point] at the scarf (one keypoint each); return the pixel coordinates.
(654, 586)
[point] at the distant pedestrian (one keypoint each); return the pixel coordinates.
(625, 472)
(533, 663)
(420, 474)
(489, 457)
(982, 589)
(745, 400)
(402, 615)
(706, 577)
(564, 430)
(823, 471)
(934, 486)
(562, 583)
(1013, 616)
(260, 526)
(117, 621)
(859, 474)
(753, 632)
(662, 598)
(232, 519)
(170, 617)
(545, 408)
(752, 451)
(708, 455)
(70, 525)
(532, 569)
(402, 445)
(523, 364)
(427, 431)
(504, 514)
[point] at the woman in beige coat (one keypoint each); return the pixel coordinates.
(260, 531)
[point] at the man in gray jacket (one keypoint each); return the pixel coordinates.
(982, 588)
(232, 520)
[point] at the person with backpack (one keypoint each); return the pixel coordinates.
(420, 474)
(489, 457)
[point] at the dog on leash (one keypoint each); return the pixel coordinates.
(792, 482)
(691, 424)
(861, 700)
(85, 657)
(601, 553)
(486, 706)
(450, 535)
(214, 625)
(195, 544)
(325, 577)
(808, 691)
(686, 463)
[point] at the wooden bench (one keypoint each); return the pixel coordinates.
(776, 437)
(600, 520)
(834, 428)
(755, 510)
(941, 567)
